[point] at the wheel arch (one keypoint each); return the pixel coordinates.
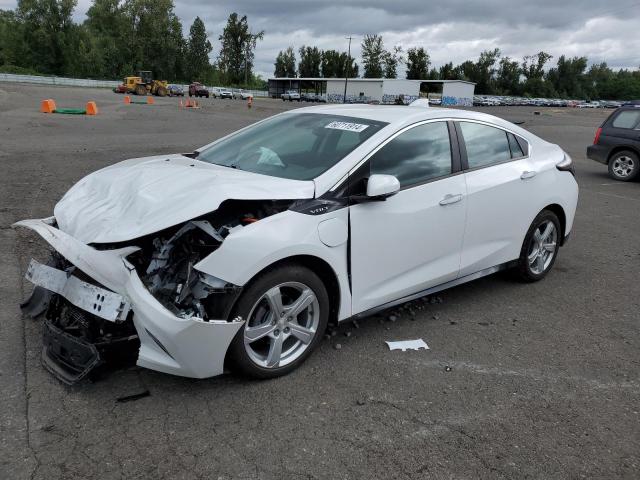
(320, 267)
(621, 148)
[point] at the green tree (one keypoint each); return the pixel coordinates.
(533, 65)
(372, 56)
(12, 48)
(568, 77)
(198, 49)
(238, 44)
(390, 61)
(533, 71)
(46, 29)
(447, 72)
(285, 63)
(338, 65)
(108, 26)
(418, 62)
(154, 35)
(508, 77)
(483, 73)
(310, 61)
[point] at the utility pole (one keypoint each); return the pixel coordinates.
(347, 71)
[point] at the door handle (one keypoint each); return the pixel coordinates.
(527, 174)
(450, 198)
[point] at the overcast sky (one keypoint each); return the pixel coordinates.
(450, 30)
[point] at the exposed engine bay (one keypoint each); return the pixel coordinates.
(165, 261)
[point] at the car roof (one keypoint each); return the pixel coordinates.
(400, 115)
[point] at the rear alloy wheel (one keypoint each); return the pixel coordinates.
(540, 247)
(624, 166)
(286, 312)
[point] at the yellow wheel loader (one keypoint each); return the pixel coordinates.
(144, 84)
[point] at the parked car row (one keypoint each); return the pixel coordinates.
(196, 89)
(495, 100)
(294, 95)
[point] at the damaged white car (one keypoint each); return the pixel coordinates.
(239, 254)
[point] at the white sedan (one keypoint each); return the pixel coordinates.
(239, 254)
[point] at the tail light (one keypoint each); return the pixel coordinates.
(596, 139)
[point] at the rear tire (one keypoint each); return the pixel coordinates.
(275, 339)
(624, 166)
(540, 248)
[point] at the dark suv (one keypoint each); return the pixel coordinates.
(617, 143)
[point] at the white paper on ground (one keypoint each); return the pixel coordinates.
(404, 345)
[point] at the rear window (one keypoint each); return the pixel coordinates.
(627, 119)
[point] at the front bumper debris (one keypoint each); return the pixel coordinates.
(68, 358)
(190, 347)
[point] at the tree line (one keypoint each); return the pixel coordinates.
(493, 73)
(120, 37)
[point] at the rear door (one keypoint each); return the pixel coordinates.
(501, 180)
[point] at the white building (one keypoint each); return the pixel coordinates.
(378, 90)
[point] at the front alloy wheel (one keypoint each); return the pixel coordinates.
(281, 325)
(285, 311)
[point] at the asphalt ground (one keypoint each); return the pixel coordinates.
(521, 381)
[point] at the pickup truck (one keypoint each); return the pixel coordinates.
(291, 95)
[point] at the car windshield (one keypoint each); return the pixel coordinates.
(298, 146)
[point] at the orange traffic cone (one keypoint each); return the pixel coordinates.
(127, 99)
(47, 106)
(249, 102)
(92, 108)
(150, 100)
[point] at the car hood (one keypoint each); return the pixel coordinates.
(141, 196)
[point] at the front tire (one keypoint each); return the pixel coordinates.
(540, 247)
(286, 310)
(624, 166)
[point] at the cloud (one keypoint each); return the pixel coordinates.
(455, 30)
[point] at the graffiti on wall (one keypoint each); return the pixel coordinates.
(392, 99)
(448, 101)
(337, 98)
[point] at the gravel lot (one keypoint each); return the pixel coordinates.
(522, 381)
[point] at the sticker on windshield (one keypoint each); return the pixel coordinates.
(350, 127)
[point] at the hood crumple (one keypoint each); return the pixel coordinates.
(142, 196)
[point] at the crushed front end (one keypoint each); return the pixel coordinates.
(112, 303)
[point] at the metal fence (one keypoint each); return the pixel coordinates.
(85, 82)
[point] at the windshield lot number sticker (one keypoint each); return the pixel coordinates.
(350, 127)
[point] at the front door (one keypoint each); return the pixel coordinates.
(411, 241)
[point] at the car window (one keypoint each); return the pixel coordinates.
(417, 155)
(298, 146)
(485, 145)
(627, 119)
(516, 149)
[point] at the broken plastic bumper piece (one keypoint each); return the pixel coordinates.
(93, 299)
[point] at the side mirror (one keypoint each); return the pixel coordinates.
(382, 186)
